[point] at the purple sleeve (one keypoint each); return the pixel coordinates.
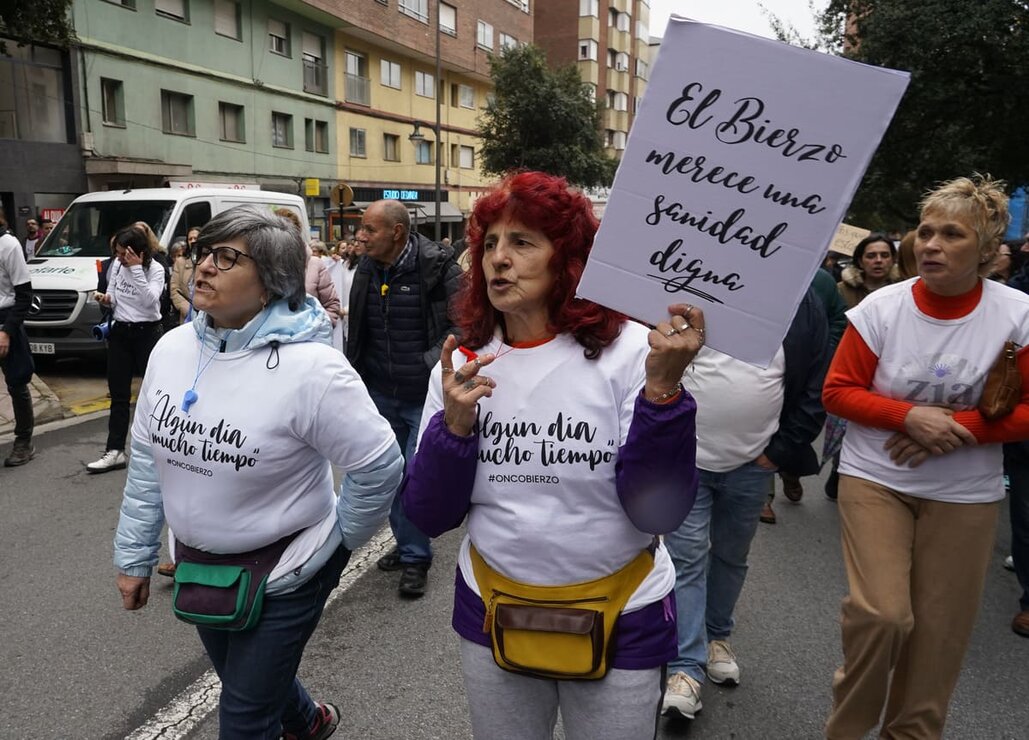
(656, 471)
(437, 491)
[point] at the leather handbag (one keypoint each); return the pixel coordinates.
(1003, 387)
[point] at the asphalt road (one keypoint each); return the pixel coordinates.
(75, 665)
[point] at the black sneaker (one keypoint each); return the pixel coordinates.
(413, 579)
(21, 454)
(390, 561)
(326, 720)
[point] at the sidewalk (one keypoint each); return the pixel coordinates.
(45, 403)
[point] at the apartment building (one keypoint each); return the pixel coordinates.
(609, 41)
(388, 88)
(184, 92)
(286, 95)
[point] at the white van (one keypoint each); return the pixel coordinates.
(67, 264)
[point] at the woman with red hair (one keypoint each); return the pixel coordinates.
(561, 431)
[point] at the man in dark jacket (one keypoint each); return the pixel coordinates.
(751, 422)
(398, 322)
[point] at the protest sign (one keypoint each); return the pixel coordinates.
(846, 238)
(740, 165)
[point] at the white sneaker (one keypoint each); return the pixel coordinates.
(111, 460)
(721, 663)
(682, 696)
(1009, 562)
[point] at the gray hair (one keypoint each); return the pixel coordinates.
(396, 212)
(274, 244)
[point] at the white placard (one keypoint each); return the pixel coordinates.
(741, 163)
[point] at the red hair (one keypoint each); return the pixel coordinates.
(544, 203)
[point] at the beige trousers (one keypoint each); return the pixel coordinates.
(915, 568)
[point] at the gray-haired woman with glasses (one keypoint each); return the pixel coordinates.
(237, 454)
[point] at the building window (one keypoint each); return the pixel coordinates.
(177, 113)
(424, 84)
(423, 152)
(321, 137)
(32, 98)
(522, 5)
(622, 62)
(177, 9)
(619, 100)
(641, 31)
(415, 8)
(227, 19)
(230, 123)
(357, 143)
(618, 140)
(312, 53)
(357, 85)
(466, 96)
(282, 130)
(316, 136)
(484, 35)
(130, 4)
(587, 50)
(278, 37)
(389, 74)
(448, 19)
(641, 69)
(591, 90)
(391, 147)
(507, 41)
(623, 22)
(589, 8)
(467, 160)
(112, 101)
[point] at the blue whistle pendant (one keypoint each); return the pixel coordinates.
(188, 399)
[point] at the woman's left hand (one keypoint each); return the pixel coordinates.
(904, 450)
(673, 345)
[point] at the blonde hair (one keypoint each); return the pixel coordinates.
(981, 201)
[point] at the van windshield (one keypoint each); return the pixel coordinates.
(86, 229)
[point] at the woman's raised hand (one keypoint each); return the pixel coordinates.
(462, 388)
(673, 345)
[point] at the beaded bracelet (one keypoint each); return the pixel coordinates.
(668, 394)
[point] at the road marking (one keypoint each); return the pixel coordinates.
(187, 710)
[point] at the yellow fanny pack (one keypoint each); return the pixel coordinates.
(556, 631)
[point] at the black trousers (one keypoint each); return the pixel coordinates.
(17, 369)
(128, 352)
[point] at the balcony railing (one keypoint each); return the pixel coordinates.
(357, 90)
(315, 77)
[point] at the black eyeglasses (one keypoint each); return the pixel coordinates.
(225, 258)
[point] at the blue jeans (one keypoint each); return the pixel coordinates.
(261, 696)
(405, 417)
(709, 551)
(1016, 465)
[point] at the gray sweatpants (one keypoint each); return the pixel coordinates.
(624, 705)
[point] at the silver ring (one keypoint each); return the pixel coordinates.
(672, 332)
(470, 385)
(478, 362)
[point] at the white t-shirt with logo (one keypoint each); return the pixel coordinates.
(13, 270)
(545, 508)
(933, 362)
(250, 462)
(135, 291)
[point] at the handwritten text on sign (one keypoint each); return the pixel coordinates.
(741, 163)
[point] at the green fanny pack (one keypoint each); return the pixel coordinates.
(223, 591)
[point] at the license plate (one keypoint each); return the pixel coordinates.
(41, 348)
